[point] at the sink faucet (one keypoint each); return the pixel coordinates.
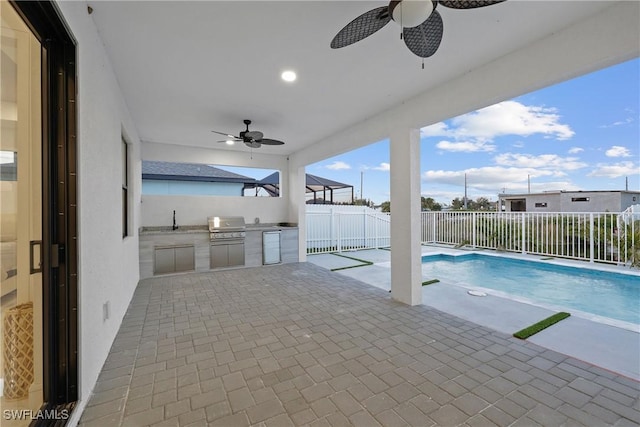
(175, 226)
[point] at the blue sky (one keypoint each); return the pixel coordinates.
(583, 134)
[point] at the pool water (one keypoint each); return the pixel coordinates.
(612, 295)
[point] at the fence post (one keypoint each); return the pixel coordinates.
(331, 228)
(591, 242)
(433, 215)
(474, 234)
(524, 234)
(339, 237)
(364, 221)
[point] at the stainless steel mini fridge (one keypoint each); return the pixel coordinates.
(271, 247)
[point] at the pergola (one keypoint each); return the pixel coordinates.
(313, 184)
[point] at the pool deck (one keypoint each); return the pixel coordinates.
(602, 342)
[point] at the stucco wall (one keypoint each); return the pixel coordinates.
(552, 200)
(108, 264)
(598, 202)
(630, 199)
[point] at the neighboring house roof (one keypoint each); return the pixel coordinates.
(311, 181)
(317, 183)
(190, 172)
(314, 183)
(552, 192)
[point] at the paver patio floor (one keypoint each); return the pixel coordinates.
(297, 344)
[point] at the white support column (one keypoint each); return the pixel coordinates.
(406, 268)
(297, 206)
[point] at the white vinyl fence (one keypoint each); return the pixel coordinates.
(595, 237)
(332, 228)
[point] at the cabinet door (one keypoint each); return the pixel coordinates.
(185, 258)
(236, 254)
(164, 261)
(219, 256)
(289, 246)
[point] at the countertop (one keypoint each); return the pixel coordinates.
(189, 229)
(270, 227)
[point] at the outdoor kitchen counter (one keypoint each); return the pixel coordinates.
(197, 236)
(270, 227)
(186, 229)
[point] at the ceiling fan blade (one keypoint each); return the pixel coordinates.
(361, 27)
(425, 39)
(226, 134)
(252, 144)
(267, 141)
(468, 4)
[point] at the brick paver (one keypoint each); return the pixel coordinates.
(299, 345)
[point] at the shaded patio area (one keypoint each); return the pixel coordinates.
(299, 345)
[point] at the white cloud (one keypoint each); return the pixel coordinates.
(504, 118)
(465, 146)
(626, 121)
(491, 180)
(543, 161)
(487, 177)
(518, 144)
(338, 165)
(385, 167)
(575, 150)
(615, 170)
(436, 129)
(618, 151)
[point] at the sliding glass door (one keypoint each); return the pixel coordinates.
(21, 303)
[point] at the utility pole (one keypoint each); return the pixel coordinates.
(626, 183)
(465, 191)
(361, 179)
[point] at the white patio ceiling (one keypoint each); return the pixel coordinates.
(186, 68)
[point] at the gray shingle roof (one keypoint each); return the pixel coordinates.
(188, 172)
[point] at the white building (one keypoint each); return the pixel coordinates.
(569, 201)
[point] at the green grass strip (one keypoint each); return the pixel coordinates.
(430, 282)
(543, 324)
(363, 261)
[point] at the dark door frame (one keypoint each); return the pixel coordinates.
(59, 201)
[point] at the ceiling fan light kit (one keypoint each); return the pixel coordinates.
(411, 13)
(421, 24)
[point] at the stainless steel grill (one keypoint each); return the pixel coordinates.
(225, 228)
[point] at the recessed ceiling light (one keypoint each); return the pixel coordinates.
(288, 76)
(230, 141)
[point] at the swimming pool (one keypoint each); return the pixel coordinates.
(607, 294)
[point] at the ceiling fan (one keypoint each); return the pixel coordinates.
(251, 138)
(421, 24)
